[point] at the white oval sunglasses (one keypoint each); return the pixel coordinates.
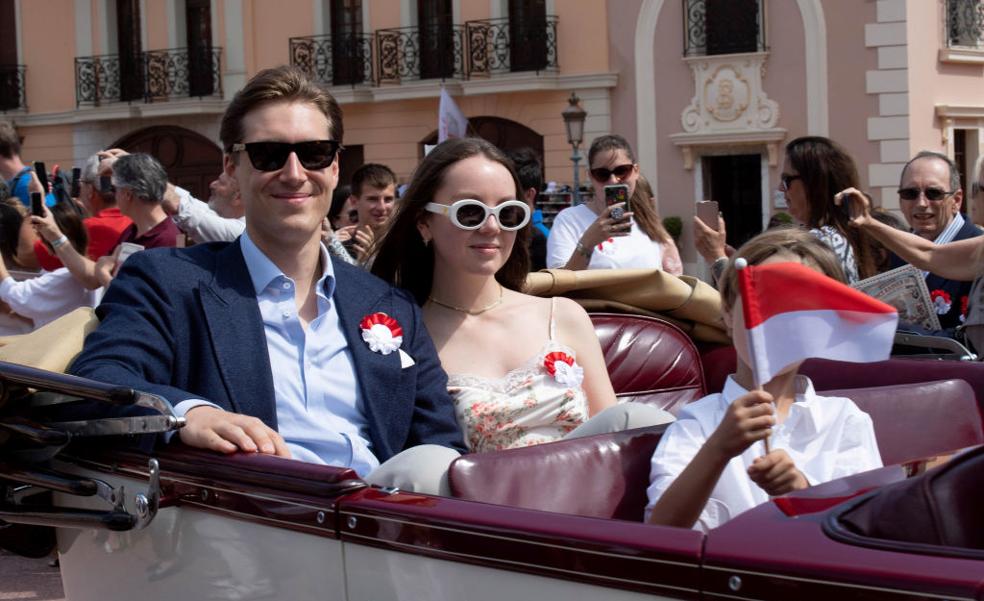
(469, 214)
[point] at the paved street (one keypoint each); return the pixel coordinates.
(28, 579)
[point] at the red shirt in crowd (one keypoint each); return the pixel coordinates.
(104, 229)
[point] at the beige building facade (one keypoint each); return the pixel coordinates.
(707, 91)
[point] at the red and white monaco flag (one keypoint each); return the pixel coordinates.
(794, 313)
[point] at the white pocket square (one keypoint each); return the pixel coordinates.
(405, 359)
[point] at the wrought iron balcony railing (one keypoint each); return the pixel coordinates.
(334, 60)
(410, 53)
(965, 24)
(502, 46)
(12, 95)
(713, 27)
(152, 76)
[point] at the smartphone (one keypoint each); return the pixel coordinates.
(42, 175)
(105, 184)
(76, 190)
(37, 204)
(708, 211)
(615, 194)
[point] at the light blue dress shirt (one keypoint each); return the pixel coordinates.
(320, 409)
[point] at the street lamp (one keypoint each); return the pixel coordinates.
(574, 122)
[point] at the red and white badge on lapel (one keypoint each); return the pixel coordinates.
(384, 335)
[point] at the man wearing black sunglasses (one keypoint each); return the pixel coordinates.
(930, 197)
(267, 345)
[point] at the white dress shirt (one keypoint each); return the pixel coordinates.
(199, 221)
(826, 437)
(46, 297)
(320, 409)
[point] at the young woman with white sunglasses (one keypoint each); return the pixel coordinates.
(523, 370)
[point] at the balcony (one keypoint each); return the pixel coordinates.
(964, 31)
(152, 76)
(476, 50)
(413, 53)
(12, 96)
(339, 61)
(499, 46)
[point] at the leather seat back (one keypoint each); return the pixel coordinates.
(649, 360)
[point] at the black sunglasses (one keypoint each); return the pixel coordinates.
(602, 174)
(788, 179)
(271, 156)
(932, 194)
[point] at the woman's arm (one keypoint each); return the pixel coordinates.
(81, 267)
(574, 328)
(954, 261)
(671, 258)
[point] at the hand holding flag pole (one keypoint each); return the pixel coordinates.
(792, 313)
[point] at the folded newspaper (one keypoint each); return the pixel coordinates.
(905, 289)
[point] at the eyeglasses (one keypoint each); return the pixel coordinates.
(602, 174)
(786, 180)
(271, 156)
(471, 214)
(931, 194)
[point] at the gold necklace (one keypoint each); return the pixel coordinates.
(488, 307)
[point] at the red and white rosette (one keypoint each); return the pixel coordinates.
(941, 300)
(564, 369)
(381, 332)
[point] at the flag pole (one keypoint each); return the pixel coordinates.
(745, 291)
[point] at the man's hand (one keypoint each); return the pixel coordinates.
(212, 428)
(344, 234)
(107, 158)
(776, 474)
(364, 237)
(748, 419)
(710, 243)
(858, 206)
(104, 269)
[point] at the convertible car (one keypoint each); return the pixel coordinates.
(557, 521)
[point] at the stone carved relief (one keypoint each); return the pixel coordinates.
(729, 107)
(725, 88)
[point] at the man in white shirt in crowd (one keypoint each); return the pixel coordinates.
(222, 218)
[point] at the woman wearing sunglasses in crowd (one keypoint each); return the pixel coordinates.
(814, 169)
(597, 236)
(523, 370)
(962, 260)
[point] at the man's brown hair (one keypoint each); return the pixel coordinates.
(10, 144)
(279, 84)
(374, 175)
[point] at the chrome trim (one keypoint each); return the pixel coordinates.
(833, 583)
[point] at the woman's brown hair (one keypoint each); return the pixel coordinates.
(641, 203)
(402, 258)
(825, 169)
(787, 240)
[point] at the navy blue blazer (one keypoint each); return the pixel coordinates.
(185, 324)
(957, 290)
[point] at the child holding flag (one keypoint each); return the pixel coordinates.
(714, 462)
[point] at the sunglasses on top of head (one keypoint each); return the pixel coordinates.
(469, 214)
(932, 194)
(603, 174)
(271, 156)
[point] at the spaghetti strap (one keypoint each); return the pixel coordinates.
(553, 304)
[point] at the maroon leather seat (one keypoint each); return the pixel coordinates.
(650, 360)
(607, 475)
(919, 420)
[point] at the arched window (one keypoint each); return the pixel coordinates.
(192, 161)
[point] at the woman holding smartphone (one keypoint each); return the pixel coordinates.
(607, 232)
(458, 243)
